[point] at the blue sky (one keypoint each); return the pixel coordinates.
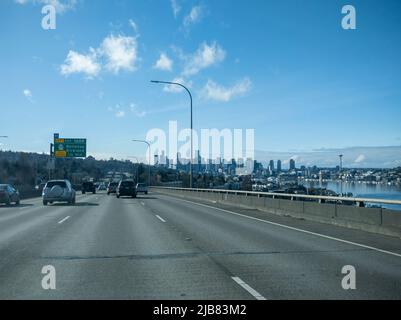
(284, 68)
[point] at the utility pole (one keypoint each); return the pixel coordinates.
(148, 143)
(137, 168)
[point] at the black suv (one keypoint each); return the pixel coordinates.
(88, 187)
(126, 188)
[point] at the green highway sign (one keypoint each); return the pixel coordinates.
(69, 148)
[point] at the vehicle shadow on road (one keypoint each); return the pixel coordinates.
(20, 206)
(147, 198)
(78, 204)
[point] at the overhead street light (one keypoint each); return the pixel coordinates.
(190, 97)
(144, 141)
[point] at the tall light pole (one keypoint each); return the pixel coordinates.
(144, 141)
(341, 169)
(192, 142)
(137, 167)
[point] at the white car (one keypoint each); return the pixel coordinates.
(142, 188)
(58, 191)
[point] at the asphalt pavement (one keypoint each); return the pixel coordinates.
(162, 247)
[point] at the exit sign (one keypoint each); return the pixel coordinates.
(69, 148)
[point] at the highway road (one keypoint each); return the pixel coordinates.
(160, 247)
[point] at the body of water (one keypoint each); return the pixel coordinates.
(362, 190)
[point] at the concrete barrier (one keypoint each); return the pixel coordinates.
(291, 206)
(320, 210)
(361, 215)
(391, 218)
(376, 220)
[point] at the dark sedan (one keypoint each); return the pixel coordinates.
(88, 186)
(126, 188)
(9, 195)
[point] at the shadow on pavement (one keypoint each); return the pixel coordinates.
(147, 198)
(78, 204)
(26, 205)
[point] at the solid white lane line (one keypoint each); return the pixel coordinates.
(296, 229)
(160, 218)
(65, 219)
(142, 203)
(248, 288)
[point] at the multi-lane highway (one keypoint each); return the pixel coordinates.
(160, 247)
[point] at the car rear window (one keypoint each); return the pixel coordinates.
(127, 183)
(3, 187)
(56, 183)
(113, 184)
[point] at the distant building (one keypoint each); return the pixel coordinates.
(292, 164)
(278, 165)
(271, 166)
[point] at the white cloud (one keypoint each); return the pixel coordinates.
(176, 7)
(204, 57)
(133, 25)
(120, 52)
(360, 158)
(28, 94)
(164, 63)
(116, 53)
(175, 88)
(216, 92)
(135, 110)
(80, 63)
(120, 111)
(194, 16)
(117, 110)
(120, 114)
(61, 6)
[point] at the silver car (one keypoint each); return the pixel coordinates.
(142, 188)
(58, 191)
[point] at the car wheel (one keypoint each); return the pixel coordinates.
(83, 192)
(146, 192)
(8, 202)
(44, 203)
(17, 203)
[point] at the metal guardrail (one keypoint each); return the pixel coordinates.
(288, 195)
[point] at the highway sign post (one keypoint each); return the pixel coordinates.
(69, 148)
